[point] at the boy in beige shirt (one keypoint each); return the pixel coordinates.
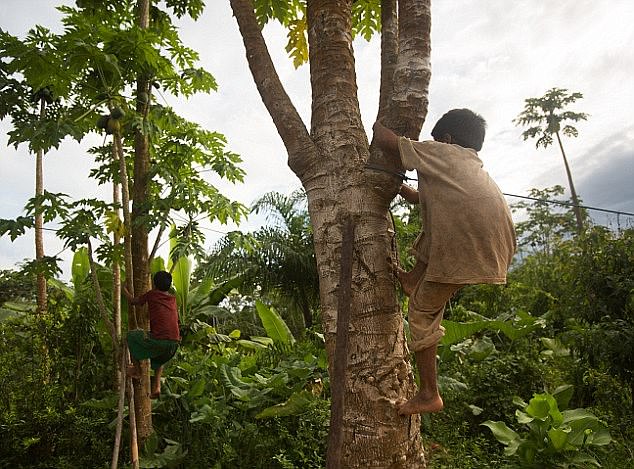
(468, 233)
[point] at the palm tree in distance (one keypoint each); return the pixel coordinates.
(546, 117)
(277, 259)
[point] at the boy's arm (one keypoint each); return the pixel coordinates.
(132, 300)
(386, 139)
(409, 194)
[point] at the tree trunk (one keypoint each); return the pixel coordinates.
(42, 299)
(331, 164)
(575, 200)
(142, 402)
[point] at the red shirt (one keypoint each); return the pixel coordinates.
(163, 314)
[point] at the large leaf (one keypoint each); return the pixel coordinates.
(221, 291)
(274, 325)
(296, 404)
(563, 394)
(458, 331)
(81, 267)
(181, 277)
(501, 432)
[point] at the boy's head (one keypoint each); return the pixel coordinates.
(162, 280)
(465, 127)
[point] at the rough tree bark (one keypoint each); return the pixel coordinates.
(331, 163)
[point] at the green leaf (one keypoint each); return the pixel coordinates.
(274, 325)
(197, 388)
(458, 331)
(558, 437)
(296, 404)
(501, 432)
(15, 227)
(555, 347)
(221, 291)
(181, 275)
(80, 267)
(563, 394)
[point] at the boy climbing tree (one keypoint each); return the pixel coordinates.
(161, 342)
(468, 233)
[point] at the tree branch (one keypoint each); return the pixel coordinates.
(389, 53)
(413, 67)
(287, 120)
(335, 104)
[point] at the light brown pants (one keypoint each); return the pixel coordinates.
(426, 308)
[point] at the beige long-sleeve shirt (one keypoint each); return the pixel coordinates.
(468, 231)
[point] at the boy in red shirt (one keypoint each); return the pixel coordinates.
(161, 343)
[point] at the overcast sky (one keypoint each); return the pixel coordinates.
(488, 56)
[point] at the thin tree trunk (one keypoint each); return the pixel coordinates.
(575, 200)
(120, 407)
(116, 284)
(143, 404)
(42, 299)
(134, 436)
(127, 221)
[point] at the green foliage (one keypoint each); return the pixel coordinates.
(546, 225)
(513, 327)
(261, 404)
(274, 325)
(555, 437)
(85, 74)
(366, 20)
(276, 261)
(548, 114)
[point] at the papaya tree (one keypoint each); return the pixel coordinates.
(104, 51)
(548, 116)
(32, 82)
(348, 198)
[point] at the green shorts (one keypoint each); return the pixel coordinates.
(142, 347)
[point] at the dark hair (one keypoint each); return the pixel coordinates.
(162, 280)
(465, 127)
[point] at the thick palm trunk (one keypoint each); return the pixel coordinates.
(575, 200)
(42, 299)
(331, 163)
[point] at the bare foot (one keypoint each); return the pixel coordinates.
(408, 281)
(133, 372)
(420, 404)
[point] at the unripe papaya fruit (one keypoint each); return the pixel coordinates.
(113, 126)
(102, 122)
(117, 113)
